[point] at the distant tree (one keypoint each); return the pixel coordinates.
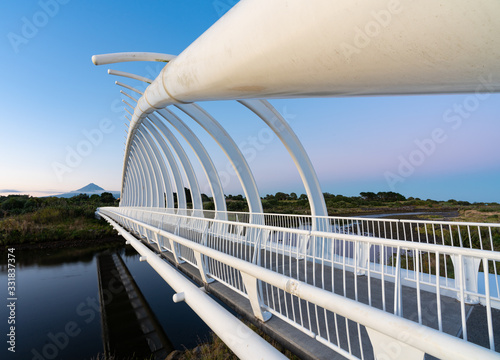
(302, 202)
(107, 198)
(327, 196)
(31, 204)
(205, 198)
(236, 205)
(270, 204)
(390, 196)
(293, 196)
(303, 197)
(188, 195)
(208, 205)
(13, 202)
(95, 198)
(369, 196)
(80, 198)
(281, 196)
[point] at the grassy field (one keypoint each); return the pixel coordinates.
(28, 220)
(370, 203)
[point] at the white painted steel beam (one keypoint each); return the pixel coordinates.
(114, 58)
(204, 158)
(142, 177)
(292, 48)
(146, 172)
(246, 344)
(139, 178)
(169, 190)
(168, 198)
(179, 183)
(280, 127)
(419, 337)
(129, 87)
(233, 153)
(133, 200)
(164, 184)
(129, 75)
(151, 169)
(181, 155)
(128, 192)
(138, 188)
(159, 165)
(195, 144)
(341, 48)
(129, 96)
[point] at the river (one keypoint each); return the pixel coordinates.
(57, 314)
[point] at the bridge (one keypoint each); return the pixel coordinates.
(326, 287)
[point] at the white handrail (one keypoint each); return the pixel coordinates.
(452, 250)
(418, 336)
(232, 331)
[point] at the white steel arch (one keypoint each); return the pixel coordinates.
(113, 58)
(168, 198)
(204, 158)
(177, 148)
(179, 184)
(233, 153)
(152, 166)
(280, 127)
(141, 179)
(155, 123)
(147, 183)
(164, 180)
(134, 175)
(168, 195)
(421, 47)
(207, 164)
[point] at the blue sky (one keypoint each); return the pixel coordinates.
(53, 99)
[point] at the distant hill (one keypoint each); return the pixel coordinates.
(90, 189)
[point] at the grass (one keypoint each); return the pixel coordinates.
(51, 225)
(50, 220)
(216, 349)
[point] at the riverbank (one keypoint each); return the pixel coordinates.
(215, 349)
(83, 244)
(57, 222)
(39, 223)
(54, 227)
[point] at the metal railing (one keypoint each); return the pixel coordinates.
(428, 277)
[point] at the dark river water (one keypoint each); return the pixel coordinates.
(57, 314)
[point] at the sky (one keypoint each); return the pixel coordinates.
(62, 119)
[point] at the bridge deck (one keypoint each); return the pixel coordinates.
(344, 284)
(343, 281)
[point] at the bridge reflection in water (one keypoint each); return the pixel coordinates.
(129, 326)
